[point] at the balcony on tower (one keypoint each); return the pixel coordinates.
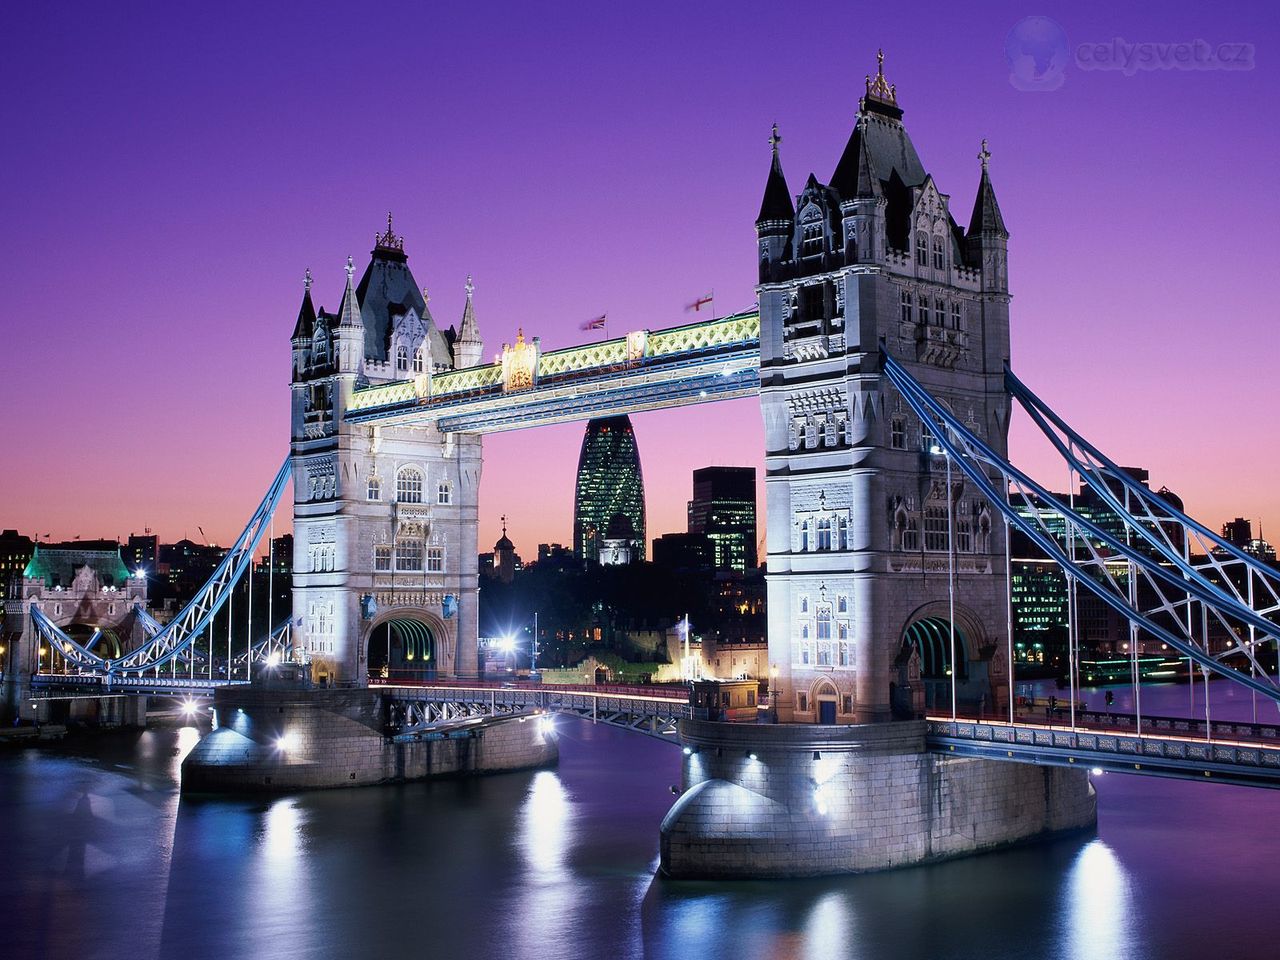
(940, 346)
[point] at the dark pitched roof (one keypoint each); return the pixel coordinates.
(776, 204)
(855, 175)
(986, 217)
(306, 318)
(882, 145)
(387, 290)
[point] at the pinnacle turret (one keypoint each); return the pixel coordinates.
(303, 329)
(986, 219)
(468, 348)
(349, 312)
(776, 204)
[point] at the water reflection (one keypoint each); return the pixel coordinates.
(829, 928)
(546, 905)
(544, 831)
(1096, 905)
(281, 839)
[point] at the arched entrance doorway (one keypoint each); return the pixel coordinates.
(930, 637)
(825, 697)
(402, 648)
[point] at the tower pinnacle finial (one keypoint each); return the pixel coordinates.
(426, 297)
(879, 88)
(389, 240)
(351, 268)
(471, 287)
(775, 138)
(984, 155)
(306, 280)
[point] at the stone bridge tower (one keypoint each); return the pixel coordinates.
(862, 544)
(385, 517)
(870, 547)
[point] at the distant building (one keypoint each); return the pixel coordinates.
(1039, 587)
(617, 546)
(556, 555)
(142, 551)
(723, 509)
(609, 484)
(684, 552)
(1239, 533)
(15, 554)
(505, 560)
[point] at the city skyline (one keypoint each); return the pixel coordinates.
(198, 305)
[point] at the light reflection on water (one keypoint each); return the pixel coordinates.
(1096, 905)
(544, 826)
(105, 859)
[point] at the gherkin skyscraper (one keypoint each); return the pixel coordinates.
(610, 486)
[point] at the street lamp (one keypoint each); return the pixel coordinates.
(773, 691)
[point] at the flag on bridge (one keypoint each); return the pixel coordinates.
(701, 302)
(596, 323)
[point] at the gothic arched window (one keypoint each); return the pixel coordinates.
(402, 359)
(409, 485)
(824, 534)
(417, 360)
(939, 258)
(373, 490)
(824, 621)
(922, 249)
(444, 493)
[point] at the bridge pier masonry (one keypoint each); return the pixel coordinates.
(887, 591)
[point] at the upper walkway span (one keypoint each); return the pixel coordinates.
(645, 370)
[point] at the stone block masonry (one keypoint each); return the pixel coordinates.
(820, 800)
(273, 741)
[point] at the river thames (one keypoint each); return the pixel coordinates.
(102, 858)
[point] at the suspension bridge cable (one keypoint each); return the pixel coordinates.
(931, 412)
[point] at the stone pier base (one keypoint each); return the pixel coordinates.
(273, 740)
(849, 799)
(119, 710)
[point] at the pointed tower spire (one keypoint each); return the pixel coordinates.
(303, 329)
(776, 204)
(349, 312)
(986, 219)
(468, 348)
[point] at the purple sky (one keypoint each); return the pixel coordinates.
(169, 174)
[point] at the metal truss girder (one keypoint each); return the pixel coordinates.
(972, 456)
(654, 717)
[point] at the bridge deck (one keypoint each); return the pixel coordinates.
(1253, 763)
(655, 714)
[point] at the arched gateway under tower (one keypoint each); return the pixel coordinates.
(403, 646)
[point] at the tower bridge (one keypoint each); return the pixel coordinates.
(879, 350)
